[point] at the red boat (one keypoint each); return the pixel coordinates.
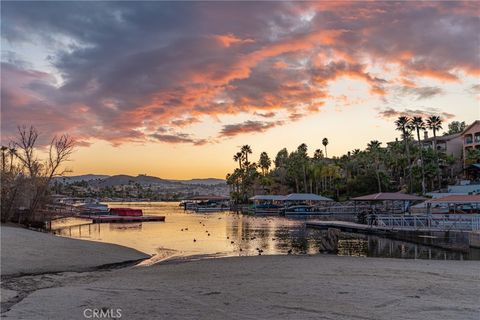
(126, 212)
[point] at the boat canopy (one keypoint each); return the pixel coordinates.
(206, 198)
(457, 199)
(268, 197)
(390, 196)
(306, 197)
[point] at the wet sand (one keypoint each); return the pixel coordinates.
(261, 287)
(29, 252)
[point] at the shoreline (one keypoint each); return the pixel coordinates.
(25, 251)
(247, 287)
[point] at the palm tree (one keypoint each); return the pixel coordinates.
(238, 157)
(374, 148)
(417, 124)
(246, 149)
(434, 123)
(264, 162)
(325, 143)
(318, 154)
(402, 125)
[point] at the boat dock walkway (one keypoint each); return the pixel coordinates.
(346, 226)
(450, 239)
(112, 218)
(364, 228)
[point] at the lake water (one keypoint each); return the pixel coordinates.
(187, 234)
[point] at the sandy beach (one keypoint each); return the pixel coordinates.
(28, 252)
(262, 287)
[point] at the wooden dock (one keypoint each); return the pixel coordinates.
(346, 226)
(112, 218)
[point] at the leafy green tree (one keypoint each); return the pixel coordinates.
(455, 127)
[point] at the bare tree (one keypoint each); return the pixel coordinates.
(39, 173)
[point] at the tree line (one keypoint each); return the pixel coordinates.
(402, 165)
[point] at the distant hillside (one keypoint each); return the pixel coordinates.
(144, 180)
(125, 179)
(207, 181)
(85, 177)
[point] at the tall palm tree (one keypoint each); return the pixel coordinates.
(264, 162)
(325, 143)
(434, 123)
(246, 150)
(402, 125)
(238, 157)
(374, 148)
(417, 124)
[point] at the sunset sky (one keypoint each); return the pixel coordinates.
(173, 89)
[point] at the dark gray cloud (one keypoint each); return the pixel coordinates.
(425, 112)
(249, 126)
(422, 92)
(129, 67)
(177, 137)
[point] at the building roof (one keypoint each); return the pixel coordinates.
(389, 196)
(306, 197)
(204, 198)
(470, 198)
(268, 197)
(443, 138)
(470, 126)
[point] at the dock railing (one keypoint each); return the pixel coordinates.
(458, 222)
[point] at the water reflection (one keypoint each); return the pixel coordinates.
(230, 234)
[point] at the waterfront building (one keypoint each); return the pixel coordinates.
(471, 140)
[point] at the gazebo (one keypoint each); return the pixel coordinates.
(387, 198)
(307, 198)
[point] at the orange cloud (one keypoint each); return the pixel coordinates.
(229, 39)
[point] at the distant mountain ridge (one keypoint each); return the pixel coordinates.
(122, 179)
(80, 178)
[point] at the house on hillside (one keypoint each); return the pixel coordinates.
(451, 144)
(471, 140)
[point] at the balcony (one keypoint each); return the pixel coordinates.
(476, 139)
(468, 139)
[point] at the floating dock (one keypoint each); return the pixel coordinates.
(450, 240)
(113, 218)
